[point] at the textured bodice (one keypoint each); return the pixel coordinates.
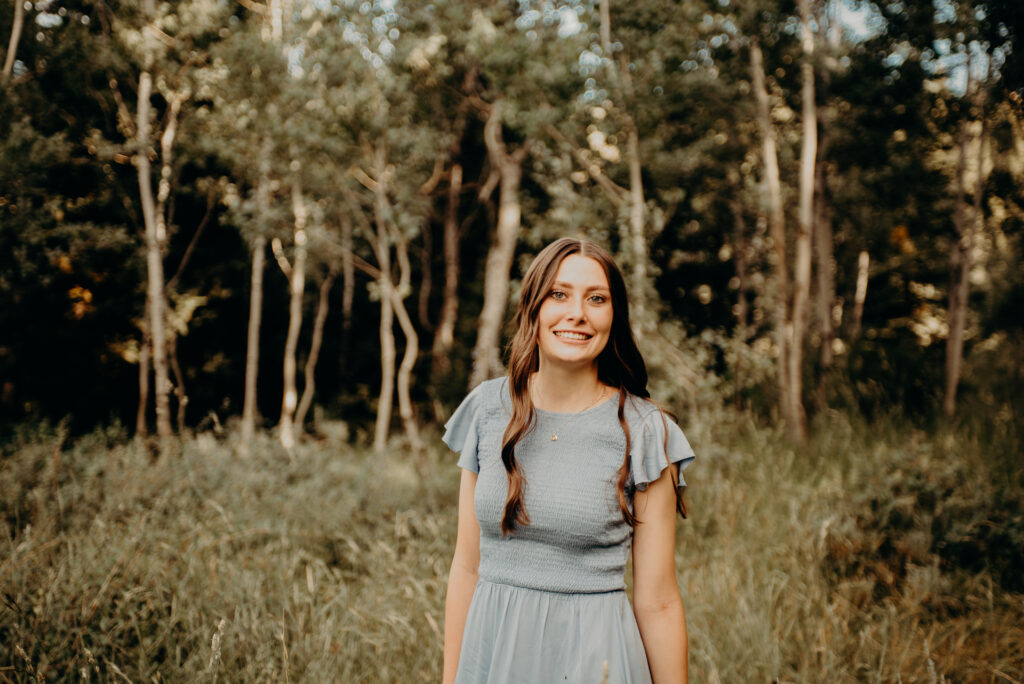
(577, 540)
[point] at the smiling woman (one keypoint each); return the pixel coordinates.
(536, 588)
(576, 316)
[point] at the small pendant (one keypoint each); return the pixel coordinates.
(554, 437)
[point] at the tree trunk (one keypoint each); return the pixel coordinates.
(252, 344)
(382, 249)
(860, 294)
(802, 270)
(12, 45)
(637, 238)
(960, 261)
(444, 338)
(258, 260)
(426, 280)
(141, 430)
(823, 239)
(776, 225)
(154, 261)
(166, 165)
(179, 380)
(322, 304)
(412, 348)
(387, 366)
(296, 287)
(486, 358)
(826, 271)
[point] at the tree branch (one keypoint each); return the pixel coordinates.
(12, 46)
(435, 177)
(282, 260)
(616, 193)
(363, 178)
(253, 6)
(210, 203)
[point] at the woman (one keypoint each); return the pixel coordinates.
(566, 463)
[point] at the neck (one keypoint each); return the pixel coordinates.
(561, 389)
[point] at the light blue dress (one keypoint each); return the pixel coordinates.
(550, 604)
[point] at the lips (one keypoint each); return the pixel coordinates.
(572, 335)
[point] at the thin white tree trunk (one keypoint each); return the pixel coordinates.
(802, 269)
(860, 294)
(166, 165)
(308, 388)
(296, 288)
(776, 225)
(412, 348)
(387, 367)
(154, 260)
(382, 249)
(486, 358)
(12, 45)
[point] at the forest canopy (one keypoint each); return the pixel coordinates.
(283, 211)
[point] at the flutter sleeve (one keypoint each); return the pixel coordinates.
(659, 442)
(462, 431)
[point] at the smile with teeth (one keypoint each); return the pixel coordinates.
(570, 335)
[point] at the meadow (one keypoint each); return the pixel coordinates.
(877, 553)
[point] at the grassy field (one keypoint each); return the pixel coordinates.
(878, 553)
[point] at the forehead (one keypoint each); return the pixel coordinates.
(581, 271)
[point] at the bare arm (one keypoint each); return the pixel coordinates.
(656, 601)
(462, 577)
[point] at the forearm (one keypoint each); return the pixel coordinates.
(461, 585)
(663, 630)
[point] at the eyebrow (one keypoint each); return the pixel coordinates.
(568, 286)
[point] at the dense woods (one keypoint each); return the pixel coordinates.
(274, 211)
(254, 252)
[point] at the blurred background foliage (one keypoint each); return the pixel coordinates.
(376, 171)
(346, 78)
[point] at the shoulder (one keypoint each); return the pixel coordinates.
(491, 393)
(490, 397)
(657, 441)
(640, 412)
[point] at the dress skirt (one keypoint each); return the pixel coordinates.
(516, 635)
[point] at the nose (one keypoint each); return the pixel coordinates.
(576, 309)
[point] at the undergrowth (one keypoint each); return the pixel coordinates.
(876, 553)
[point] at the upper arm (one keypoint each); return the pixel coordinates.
(467, 541)
(654, 566)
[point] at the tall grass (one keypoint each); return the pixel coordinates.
(871, 555)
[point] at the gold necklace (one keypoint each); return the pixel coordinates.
(566, 421)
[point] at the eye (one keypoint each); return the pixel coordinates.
(558, 295)
(598, 299)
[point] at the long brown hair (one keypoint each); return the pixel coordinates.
(619, 365)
